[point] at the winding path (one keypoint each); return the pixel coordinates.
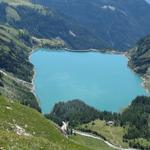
(99, 138)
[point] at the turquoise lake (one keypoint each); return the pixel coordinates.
(103, 81)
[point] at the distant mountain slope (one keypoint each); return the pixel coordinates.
(46, 23)
(121, 23)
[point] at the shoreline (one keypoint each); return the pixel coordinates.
(103, 51)
(143, 84)
(33, 76)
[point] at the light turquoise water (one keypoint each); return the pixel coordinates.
(101, 80)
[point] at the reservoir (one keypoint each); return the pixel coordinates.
(103, 81)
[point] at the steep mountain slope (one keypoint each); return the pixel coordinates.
(139, 59)
(120, 23)
(20, 124)
(46, 23)
(16, 72)
(15, 47)
(15, 66)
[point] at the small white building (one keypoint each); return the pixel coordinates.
(64, 127)
(110, 123)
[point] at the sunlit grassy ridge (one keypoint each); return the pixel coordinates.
(93, 144)
(11, 141)
(111, 133)
(39, 133)
(40, 129)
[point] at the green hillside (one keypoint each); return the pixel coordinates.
(24, 128)
(39, 132)
(114, 134)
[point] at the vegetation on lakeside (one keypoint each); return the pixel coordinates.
(130, 127)
(137, 120)
(139, 61)
(77, 112)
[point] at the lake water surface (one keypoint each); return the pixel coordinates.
(103, 81)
